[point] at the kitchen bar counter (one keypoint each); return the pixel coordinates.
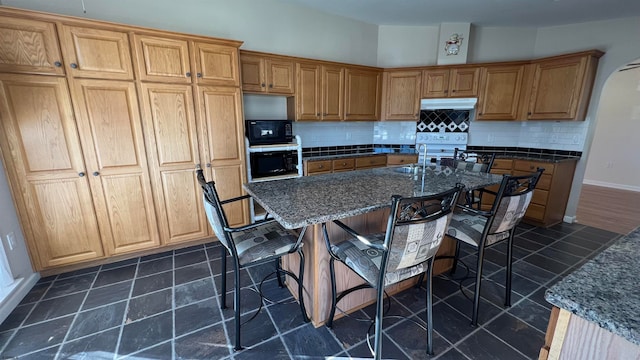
(361, 199)
(596, 312)
(308, 200)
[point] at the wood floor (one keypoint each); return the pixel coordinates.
(609, 209)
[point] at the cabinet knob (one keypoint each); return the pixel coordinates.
(95, 173)
(188, 74)
(319, 166)
(199, 75)
(401, 160)
(57, 63)
(453, 91)
(317, 114)
(263, 84)
(81, 174)
(270, 86)
(74, 65)
(529, 113)
(208, 165)
(198, 167)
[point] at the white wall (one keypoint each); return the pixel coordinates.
(265, 25)
(407, 45)
(613, 158)
(501, 44)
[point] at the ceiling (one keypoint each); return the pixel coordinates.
(522, 13)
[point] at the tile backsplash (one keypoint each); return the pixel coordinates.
(559, 135)
(321, 134)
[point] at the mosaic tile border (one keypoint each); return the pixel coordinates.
(357, 149)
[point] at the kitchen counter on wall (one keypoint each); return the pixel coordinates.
(596, 313)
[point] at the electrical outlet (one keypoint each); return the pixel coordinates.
(11, 240)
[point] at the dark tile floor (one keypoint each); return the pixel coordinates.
(165, 306)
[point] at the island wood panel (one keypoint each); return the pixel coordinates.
(317, 278)
(610, 209)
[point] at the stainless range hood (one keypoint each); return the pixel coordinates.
(448, 103)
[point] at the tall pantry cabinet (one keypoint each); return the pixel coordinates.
(102, 127)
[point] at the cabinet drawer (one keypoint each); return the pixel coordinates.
(320, 166)
(401, 159)
(344, 164)
(531, 166)
(545, 180)
(500, 171)
(504, 164)
(535, 212)
(540, 197)
(371, 161)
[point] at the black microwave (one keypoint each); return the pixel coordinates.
(264, 164)
(267, 132)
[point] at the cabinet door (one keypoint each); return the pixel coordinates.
(43, 158)
(96, 53)
(111, 134)
(435, 83)
(216, 64)
(220, 115)
(464, 82)
(308, 92)
(402, 95)
(253, 75)
(332, 93)
(28, 46)
(172, 145)
(557, 88)
(229, 180)
(362, 93)
(162, 59)
(280, 76)
(500, 92)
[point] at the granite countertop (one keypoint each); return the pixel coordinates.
(307, 200)
(605, 290)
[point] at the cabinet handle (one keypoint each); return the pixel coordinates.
(198, 167)
(208, 165)
(188, 74)
(199, 75)
(95, 173)
(57, 63)
(74, 65)
(263, 85)
(81, 174)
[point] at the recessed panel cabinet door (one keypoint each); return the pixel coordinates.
(435, 83)
(308, 92)
(500, 92)
(111, 133)
(29, 46)
(221, 116)
(402, 98)
(362, 93)
(96, 53)
(229, 180)
(43, 158)
(172, 145)
(332, 93)
(162, 59)
(216, 64)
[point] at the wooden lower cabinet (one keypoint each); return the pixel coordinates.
(319, 167)
(550, 197)
(43, 158)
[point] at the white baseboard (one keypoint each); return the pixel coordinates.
(18, 293)
(569, 219)
(611, 185)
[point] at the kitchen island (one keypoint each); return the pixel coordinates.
(596, 312)
(361, 199)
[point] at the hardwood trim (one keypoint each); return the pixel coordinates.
(559, 333)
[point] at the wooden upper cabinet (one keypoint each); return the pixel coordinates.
(96, 53)
(267, 74)
(172, 148)
(332, 92)
(110, 129)
(562, 86)
(308, 92)
(362, 94)
(162, 59)
(29, 46)
(216, 64)
(319, 93)
(43, 158)
(435, 83)
(500, 92)
(402, 95)
(450, 82)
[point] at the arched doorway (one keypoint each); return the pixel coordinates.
(610, 195)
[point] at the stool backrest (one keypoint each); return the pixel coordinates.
(512, 201)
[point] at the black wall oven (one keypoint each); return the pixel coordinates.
(265, 164)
